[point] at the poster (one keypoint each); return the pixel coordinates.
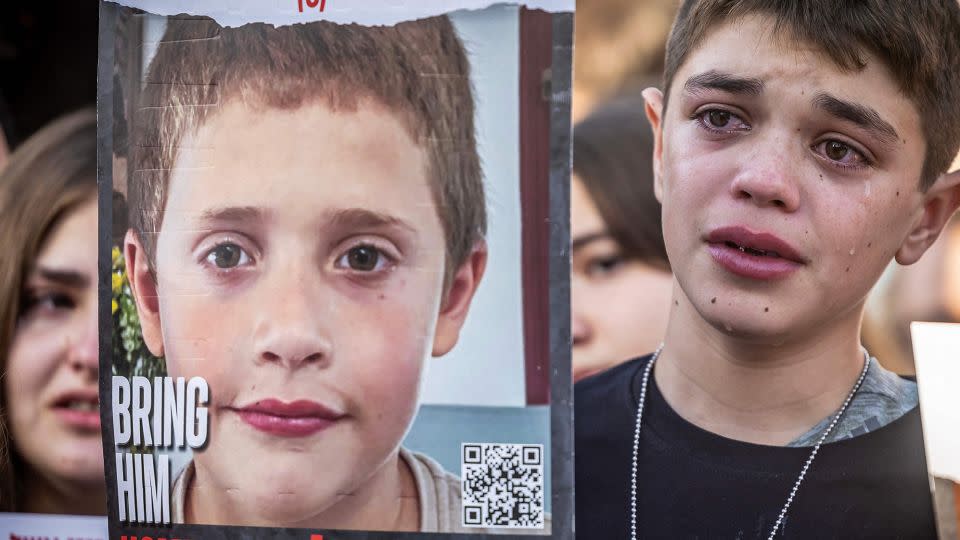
(23, 526)
(935, 347)
(333, 263)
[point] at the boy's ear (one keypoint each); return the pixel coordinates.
(939, 204)
(144, 290)
(653, 99)
(456, 303)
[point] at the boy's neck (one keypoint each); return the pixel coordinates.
(753, 391)
(387, 501)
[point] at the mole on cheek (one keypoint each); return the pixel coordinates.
(713, 300)
(766, 310)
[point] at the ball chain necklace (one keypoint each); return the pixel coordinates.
(796, 485)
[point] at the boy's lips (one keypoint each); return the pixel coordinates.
(288, 419)
(79, 409)
(756, 255)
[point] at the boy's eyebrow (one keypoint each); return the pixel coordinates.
(727, 82)
(232, 213)
(361, 217)
(69, 278)
(861, 115)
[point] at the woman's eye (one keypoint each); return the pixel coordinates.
(363, 258)
(227, 256)
(604, 266)
(47, 302)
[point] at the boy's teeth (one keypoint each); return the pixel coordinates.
(753, 251)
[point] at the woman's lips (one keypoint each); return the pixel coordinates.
(754, 255)
(295, 419)
(79, 409)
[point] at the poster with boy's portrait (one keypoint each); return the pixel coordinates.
(335, 240)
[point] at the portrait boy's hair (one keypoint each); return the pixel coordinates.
(916, 41)
(417, 70)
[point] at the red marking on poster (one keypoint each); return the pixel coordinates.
(312, 4)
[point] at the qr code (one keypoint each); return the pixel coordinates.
(502, 485)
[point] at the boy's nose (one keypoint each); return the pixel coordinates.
(767, 181)
(293, 348)
(293, 331)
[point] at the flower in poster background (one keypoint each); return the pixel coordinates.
(130, 354)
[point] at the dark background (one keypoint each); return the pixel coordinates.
(48, 63)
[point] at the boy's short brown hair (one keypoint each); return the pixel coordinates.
(919, 42)
(419, 70)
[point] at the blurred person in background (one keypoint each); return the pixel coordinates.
(927, 291)
(52, 459)
(620, 282)
(620, 44)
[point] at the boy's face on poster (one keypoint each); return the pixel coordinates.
(51, 380)
(300, 271)
(769, 146)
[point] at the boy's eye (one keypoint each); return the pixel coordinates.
(228, 256)
(363, 258)
(720, 120)
(836, 150)
(841, 153)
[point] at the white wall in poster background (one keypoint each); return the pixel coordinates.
(37, 526)
(486, 367)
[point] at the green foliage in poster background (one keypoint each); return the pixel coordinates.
(130, 355)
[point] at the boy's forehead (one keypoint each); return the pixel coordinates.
(750, 55)
(754, 44)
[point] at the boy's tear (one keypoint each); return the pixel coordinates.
(853, 250)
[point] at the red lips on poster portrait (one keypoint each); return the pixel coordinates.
(299, 418)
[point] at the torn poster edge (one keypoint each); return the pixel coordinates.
(233, 13)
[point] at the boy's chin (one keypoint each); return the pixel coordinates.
(763, 329)
(279, 505)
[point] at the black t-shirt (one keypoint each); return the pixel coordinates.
(695, 484)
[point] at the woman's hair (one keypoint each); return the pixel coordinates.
(613, 157)
(49, 175)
